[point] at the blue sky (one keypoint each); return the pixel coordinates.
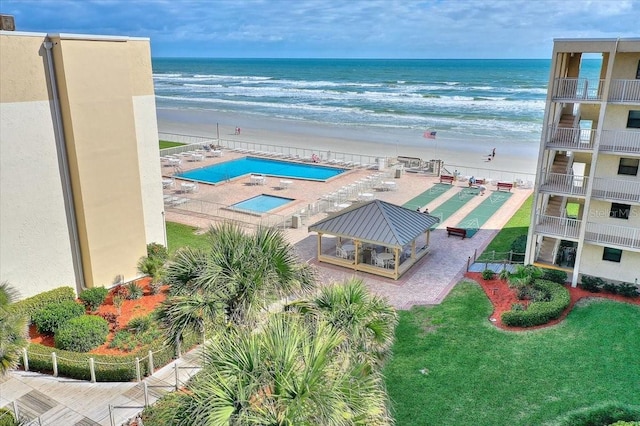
(336, 28)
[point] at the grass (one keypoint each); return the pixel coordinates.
(179, 235)
(477, 374)
(167, 144)
(516, 226)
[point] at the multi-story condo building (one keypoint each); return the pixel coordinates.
(586, 214)
(80, 180)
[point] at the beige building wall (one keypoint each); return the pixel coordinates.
(592, 264)
(108, 113)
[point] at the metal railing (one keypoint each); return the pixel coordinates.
(558, 226)
(577, 89)
(561, 183)
(570, 138)
(492, 174)
(625, 91)
(620, 141)
(616, 189)
(326, 156)
(622, 236)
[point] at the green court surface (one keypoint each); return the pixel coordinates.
(478, 216)
(427, 196)
(454, 203)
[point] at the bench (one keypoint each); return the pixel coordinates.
(505, 186)
(446, 179)
(458, 232)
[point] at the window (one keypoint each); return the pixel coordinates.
(638, 71)
(628, 166)
(634, 119)
(620, 211)
(611, 254)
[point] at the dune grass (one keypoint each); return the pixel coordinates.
(450, 366)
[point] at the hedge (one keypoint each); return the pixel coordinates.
(32, 304)
(108, 368)
(82, 334)
(604, 414)
(7, 418)
(48, 319)
(540, 312)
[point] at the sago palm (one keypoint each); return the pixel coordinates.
(14, 331)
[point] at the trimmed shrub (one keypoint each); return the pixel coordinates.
(49, 318)
(592, 284)
(605, 414)
(82, 334)
(488, 274)
(519, 245)
(35, 303)
(628, 290)
(7, 418)
(609, 287)
(134, 291)
(92, 298)
(157, 251)
(554, 275)
(540, 312)
(504, 274)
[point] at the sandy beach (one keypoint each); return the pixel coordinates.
(467, 156)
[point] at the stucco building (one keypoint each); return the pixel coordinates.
(586, 214)
(80, 180)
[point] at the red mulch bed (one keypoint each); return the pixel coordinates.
(502, 297)
(130, 309)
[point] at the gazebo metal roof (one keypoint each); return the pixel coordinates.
(377, 222)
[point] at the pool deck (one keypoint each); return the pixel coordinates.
(427, 283)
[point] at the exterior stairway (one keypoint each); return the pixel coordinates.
(554, 207)
(547, 248)
(560, 163)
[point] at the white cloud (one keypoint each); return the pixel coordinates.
(373, 28)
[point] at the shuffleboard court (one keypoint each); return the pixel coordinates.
(478, 216)
(427, 196)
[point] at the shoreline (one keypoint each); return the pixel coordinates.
(516, 157)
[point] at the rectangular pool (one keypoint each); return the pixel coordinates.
(261, 203)
(243, 166)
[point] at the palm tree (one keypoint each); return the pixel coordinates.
(524, 276)
(14, 332)
(289, 372)
(256, 269)
(367, 322)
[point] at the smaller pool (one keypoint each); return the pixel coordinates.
(261, 203)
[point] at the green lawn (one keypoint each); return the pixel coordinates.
(516, 226)
(167, 144)
(477, 374)
(179, 235)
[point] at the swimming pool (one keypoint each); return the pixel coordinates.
(261, 203)
(246, 165)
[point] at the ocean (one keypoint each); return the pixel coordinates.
(464, 99)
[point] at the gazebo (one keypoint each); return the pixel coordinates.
(375, 237)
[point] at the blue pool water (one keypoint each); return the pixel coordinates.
(243, 166)
(262, 203)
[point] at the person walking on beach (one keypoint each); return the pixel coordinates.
(493, 153)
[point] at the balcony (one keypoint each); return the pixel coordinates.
(613, 235)
(624, 91)
(616, 189)
(620, 141)
(577, 89)
(564, 184)
(561, 227)
(570, 139)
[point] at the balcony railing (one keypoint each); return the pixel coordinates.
(621, 236)
(570, 138)
(625, 91)
(626, 141)
(557, 226)
(559, 183)
(577, 89)
(616, 189)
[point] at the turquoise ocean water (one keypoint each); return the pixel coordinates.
(474, 98)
